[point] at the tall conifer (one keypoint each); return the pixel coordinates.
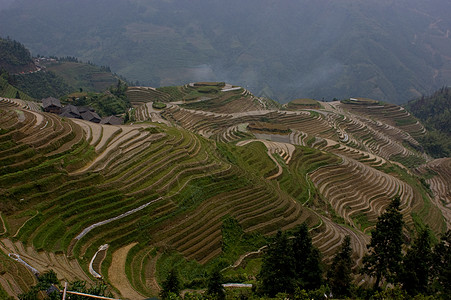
(386, 245)
(339, 274)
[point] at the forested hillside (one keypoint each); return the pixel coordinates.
(387, 50)
(14, 57)
(49, 77)
(435, 112)
(9, 91)
(41, 84)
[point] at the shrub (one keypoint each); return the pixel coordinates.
(159, 105)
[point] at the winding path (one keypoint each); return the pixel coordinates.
(88, 229)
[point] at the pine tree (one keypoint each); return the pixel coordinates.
(415, 269)
(339, 274)
(306, 260)
(386, 245)
(171, 285)
(442, 266)
(215, 288)
(277, 274)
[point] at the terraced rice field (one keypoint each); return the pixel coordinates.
(158, 191)
(142, 95)
(439, 171)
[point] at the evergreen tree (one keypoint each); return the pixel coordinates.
(306, 260)
(339, 274)
(416, 265)
(442, 266)
(215, 288)
(17, 95)
(386, 245)
(170, 285)
(277, 274)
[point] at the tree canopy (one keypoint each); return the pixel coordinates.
(385, 248)
(339, 274)
(290, 264)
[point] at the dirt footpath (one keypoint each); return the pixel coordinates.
(116, 274)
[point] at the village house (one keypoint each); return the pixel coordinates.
(52, 105)
(70, 111)
(112, 120)
(91, 116)
(83, 109)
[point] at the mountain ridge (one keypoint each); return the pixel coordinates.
(392, 51)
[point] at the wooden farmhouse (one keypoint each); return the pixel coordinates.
(70, 111)
(52, 105)
(91, 116)
(112, 120)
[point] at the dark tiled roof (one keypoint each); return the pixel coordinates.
(91, 116)
(70, 109)
(112, 120)
(68, 115)
(50, 101)
(83, 109)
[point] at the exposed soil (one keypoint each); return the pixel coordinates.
(117, 276)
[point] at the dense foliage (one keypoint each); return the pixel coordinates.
(441, 272)
(171, 285)
(215, 288)
(385, 248)
(339, 275)
(112, 102)
(14, 57)
(9, 91)
(435, 112)
(45, 281)
(41, 85)
(415, 267)
(290, 264)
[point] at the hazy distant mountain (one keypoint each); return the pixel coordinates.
(389, 50)
(4, 4)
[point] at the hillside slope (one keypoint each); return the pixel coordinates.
(435, 112)
(15, 58)
(49, 77)
(164, 191)
(78, 75)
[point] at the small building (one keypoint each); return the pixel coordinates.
(52, 105)
(112, 120)
(70, 111)
(83, 109)
(91, 116)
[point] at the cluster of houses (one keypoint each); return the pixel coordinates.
(53, 105)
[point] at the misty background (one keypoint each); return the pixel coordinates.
(283, 49)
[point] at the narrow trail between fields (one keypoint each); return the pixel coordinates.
(91, 269)
(118, 277)
(89, 228)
